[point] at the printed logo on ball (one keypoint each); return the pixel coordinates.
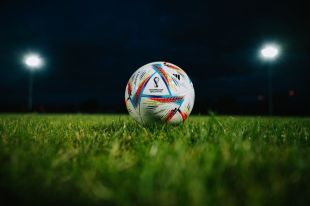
(156, 86)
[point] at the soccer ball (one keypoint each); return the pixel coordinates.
(159, 91)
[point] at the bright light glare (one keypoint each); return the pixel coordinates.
(269, 52)
(33, 61)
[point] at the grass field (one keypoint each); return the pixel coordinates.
(111, 160)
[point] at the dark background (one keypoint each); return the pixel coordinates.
(91, 48)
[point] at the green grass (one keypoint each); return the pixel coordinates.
(111, 160)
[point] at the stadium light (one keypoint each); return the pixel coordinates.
(270, 53)
(33, 62)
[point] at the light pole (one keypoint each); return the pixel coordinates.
(269, 53)
(32, 62)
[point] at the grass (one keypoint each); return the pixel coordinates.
(111, 160)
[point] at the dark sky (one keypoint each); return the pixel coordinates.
(91, 48)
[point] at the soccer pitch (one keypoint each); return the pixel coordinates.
(111, 160)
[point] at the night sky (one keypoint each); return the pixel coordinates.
(91, 48)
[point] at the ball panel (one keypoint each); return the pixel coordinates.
(129, 104)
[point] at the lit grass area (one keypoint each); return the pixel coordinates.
(111, 160)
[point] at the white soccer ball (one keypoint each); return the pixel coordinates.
(159, 91)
